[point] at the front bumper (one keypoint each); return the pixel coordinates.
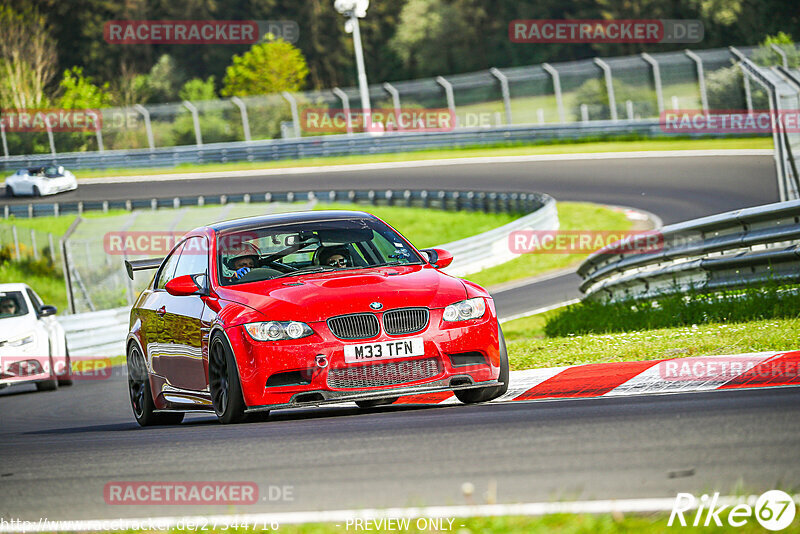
(259, 361)
(336, 397)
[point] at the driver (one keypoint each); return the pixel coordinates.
(8, 307)
(243, 260)
(335, 257)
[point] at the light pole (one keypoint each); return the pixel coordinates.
(353, 10)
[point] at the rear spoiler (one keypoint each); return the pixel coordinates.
(142, 265)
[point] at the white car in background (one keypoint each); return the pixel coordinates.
(39, 181)
(33, 346)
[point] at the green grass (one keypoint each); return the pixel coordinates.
(50, 288)
(549, 147)
(423, 227)
(572, 216)
(529, 349)
(426, 227)
(561, 523)
(58, 226)
(680, 309)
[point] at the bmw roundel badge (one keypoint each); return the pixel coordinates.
(376, 305)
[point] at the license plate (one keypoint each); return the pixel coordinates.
(385, 350)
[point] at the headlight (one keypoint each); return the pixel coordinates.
(20, 342)
(466, 309)
(277, 330)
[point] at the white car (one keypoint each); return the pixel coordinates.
(33, 346)
(39, 181)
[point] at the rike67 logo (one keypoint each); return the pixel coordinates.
(774, 510)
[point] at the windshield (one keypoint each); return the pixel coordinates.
(12, 304)
(295, 249)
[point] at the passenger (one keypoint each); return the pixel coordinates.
(334, 257)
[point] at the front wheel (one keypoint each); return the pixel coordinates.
(223, 382)
(65, 378)
(51, 384)
(9, 191)
(471, 396)
(36, 191)
(142, 397)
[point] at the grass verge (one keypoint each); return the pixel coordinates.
(755, 303)
(548, 147)
(561, 523)
(529, 349)
(572, 216)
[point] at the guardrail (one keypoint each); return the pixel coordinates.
(329, 145)
(724, 251)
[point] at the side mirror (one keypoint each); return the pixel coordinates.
(47, 311)
(181, 286)
(438, 257)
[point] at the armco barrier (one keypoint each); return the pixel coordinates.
(724, 251)
(102, 333)
(329, 145)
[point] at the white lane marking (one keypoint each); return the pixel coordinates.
(422, 163)
(607, 506)
(518, 383)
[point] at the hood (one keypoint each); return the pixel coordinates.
(16, 327)
(317, 297)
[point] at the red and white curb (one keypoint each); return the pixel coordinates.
(652, 377)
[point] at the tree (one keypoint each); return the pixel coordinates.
(79, 92)
(767, 56)
(268, 67)
(27, 58)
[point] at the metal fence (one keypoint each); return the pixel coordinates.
(725, 251)
(621, 88)
(18, 243)
(782, 85)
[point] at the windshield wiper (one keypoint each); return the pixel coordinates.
(320, 269)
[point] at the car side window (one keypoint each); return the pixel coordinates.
(194, 257)
(35, 300)
(167, 271)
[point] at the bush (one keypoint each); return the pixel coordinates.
(725, 88)
(596, 317)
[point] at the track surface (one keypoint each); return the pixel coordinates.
(674, 188)
(59, 449)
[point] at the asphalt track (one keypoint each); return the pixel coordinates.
(59, 449)
(674, 188)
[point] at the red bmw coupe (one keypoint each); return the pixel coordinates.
(304, 309)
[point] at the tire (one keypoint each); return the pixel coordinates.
(471, 396)
(36, 191)
(376, 402)
(65, 379)
(223, 382)
(51, 384)
(141, 396)
(9, 191)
